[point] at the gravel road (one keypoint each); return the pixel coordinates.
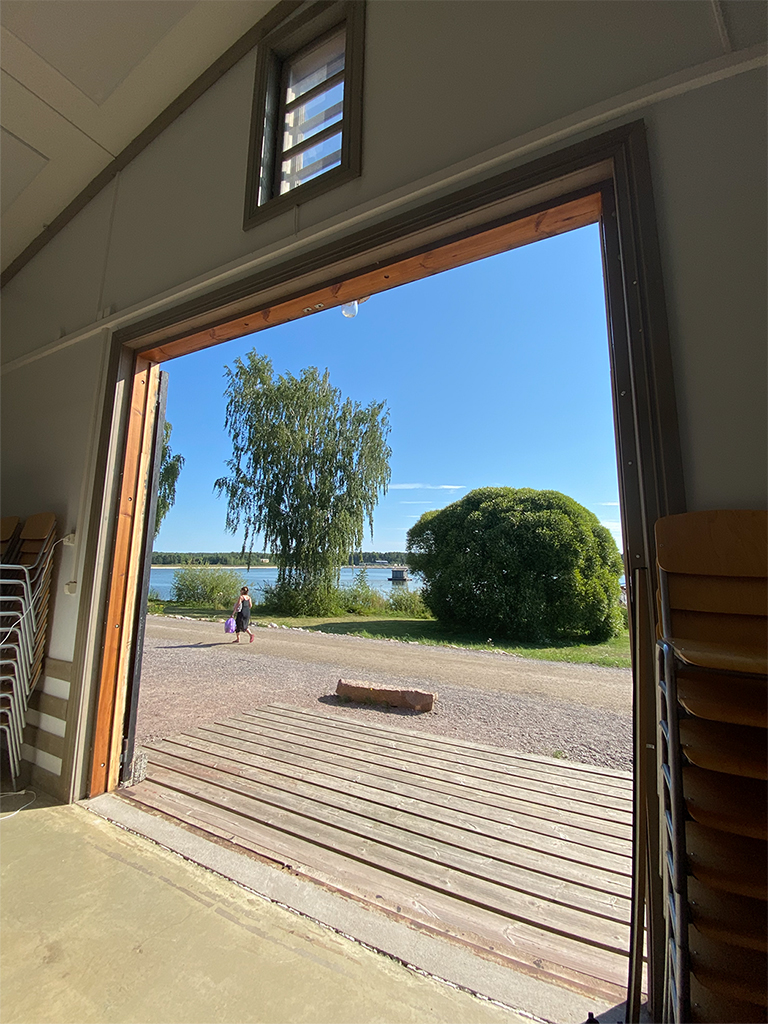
(192, 673)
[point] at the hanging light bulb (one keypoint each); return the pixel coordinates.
(349, 309)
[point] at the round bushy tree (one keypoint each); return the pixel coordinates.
(518, 563)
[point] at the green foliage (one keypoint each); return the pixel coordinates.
(170, 467)
(206, 587)
(306, 471)
(408, 602)
(524, 564)
(360, 598)
(207, 558)
(285, 598)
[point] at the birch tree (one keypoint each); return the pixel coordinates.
(307, 469)
(170, 467)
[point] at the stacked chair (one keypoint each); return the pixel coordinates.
(713, 688)
(25, 581)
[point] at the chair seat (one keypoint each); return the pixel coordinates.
(736, 700)
(731, 863)
(737, 973)
(735, 805)
(721, 747)
(731, 657)
(707, 1006)
(726, 917)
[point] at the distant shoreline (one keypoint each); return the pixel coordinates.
(220, 565)
(212, 565)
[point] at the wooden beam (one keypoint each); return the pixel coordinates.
(132, 580)
(555, 221)
(118, 629)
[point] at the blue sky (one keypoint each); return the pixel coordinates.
(495, 374)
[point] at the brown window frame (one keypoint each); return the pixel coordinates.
(307, 28)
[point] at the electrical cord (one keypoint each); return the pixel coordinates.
(21, 792)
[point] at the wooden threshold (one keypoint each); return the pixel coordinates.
(527, 861)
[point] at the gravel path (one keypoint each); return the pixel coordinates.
(192, 673)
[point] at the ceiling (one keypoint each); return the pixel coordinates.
(80, 80)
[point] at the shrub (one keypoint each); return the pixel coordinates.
(528, 565)
(288, 598)
(360, 598)
(208, 587)
(407, 602)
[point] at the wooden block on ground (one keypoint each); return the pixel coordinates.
(368, 693)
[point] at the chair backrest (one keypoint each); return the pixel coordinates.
(713, 576)
(10, 529)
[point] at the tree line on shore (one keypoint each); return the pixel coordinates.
(262, 558)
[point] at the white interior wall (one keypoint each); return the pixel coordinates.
(447, 86)
(180, 204)
(49, 415)
(709, 157)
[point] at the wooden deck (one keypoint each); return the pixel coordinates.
(527, 860)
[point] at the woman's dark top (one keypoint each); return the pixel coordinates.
(243, 617)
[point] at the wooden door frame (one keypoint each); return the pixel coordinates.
(605, 179)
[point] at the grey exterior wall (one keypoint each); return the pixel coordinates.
(454, 91)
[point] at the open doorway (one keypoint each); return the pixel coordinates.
(640, 504)
(508, 804)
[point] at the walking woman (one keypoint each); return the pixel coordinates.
(242, 613)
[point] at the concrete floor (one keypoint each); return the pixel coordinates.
(99, 924)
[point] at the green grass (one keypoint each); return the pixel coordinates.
(613, 653)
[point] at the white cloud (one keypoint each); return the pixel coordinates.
(427, 487)
(615, 503)
(615, 527)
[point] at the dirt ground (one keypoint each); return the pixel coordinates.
(193, 673)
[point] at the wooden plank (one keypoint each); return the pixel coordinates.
(560, 960)
(596, 832)
(611, 777)
(403, 796)
(115, 623)
(420, 748)
(609, 851)
(348, 836)
(545, 224)
(614, 808)
(486, 782)
(404, 814)
(370, 843)
(496, 768)
(139, 503)
(402, 832)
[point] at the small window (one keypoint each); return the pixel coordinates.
(307, 112)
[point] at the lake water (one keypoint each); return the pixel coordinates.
(161, 579)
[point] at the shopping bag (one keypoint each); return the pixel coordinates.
(229, 625)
